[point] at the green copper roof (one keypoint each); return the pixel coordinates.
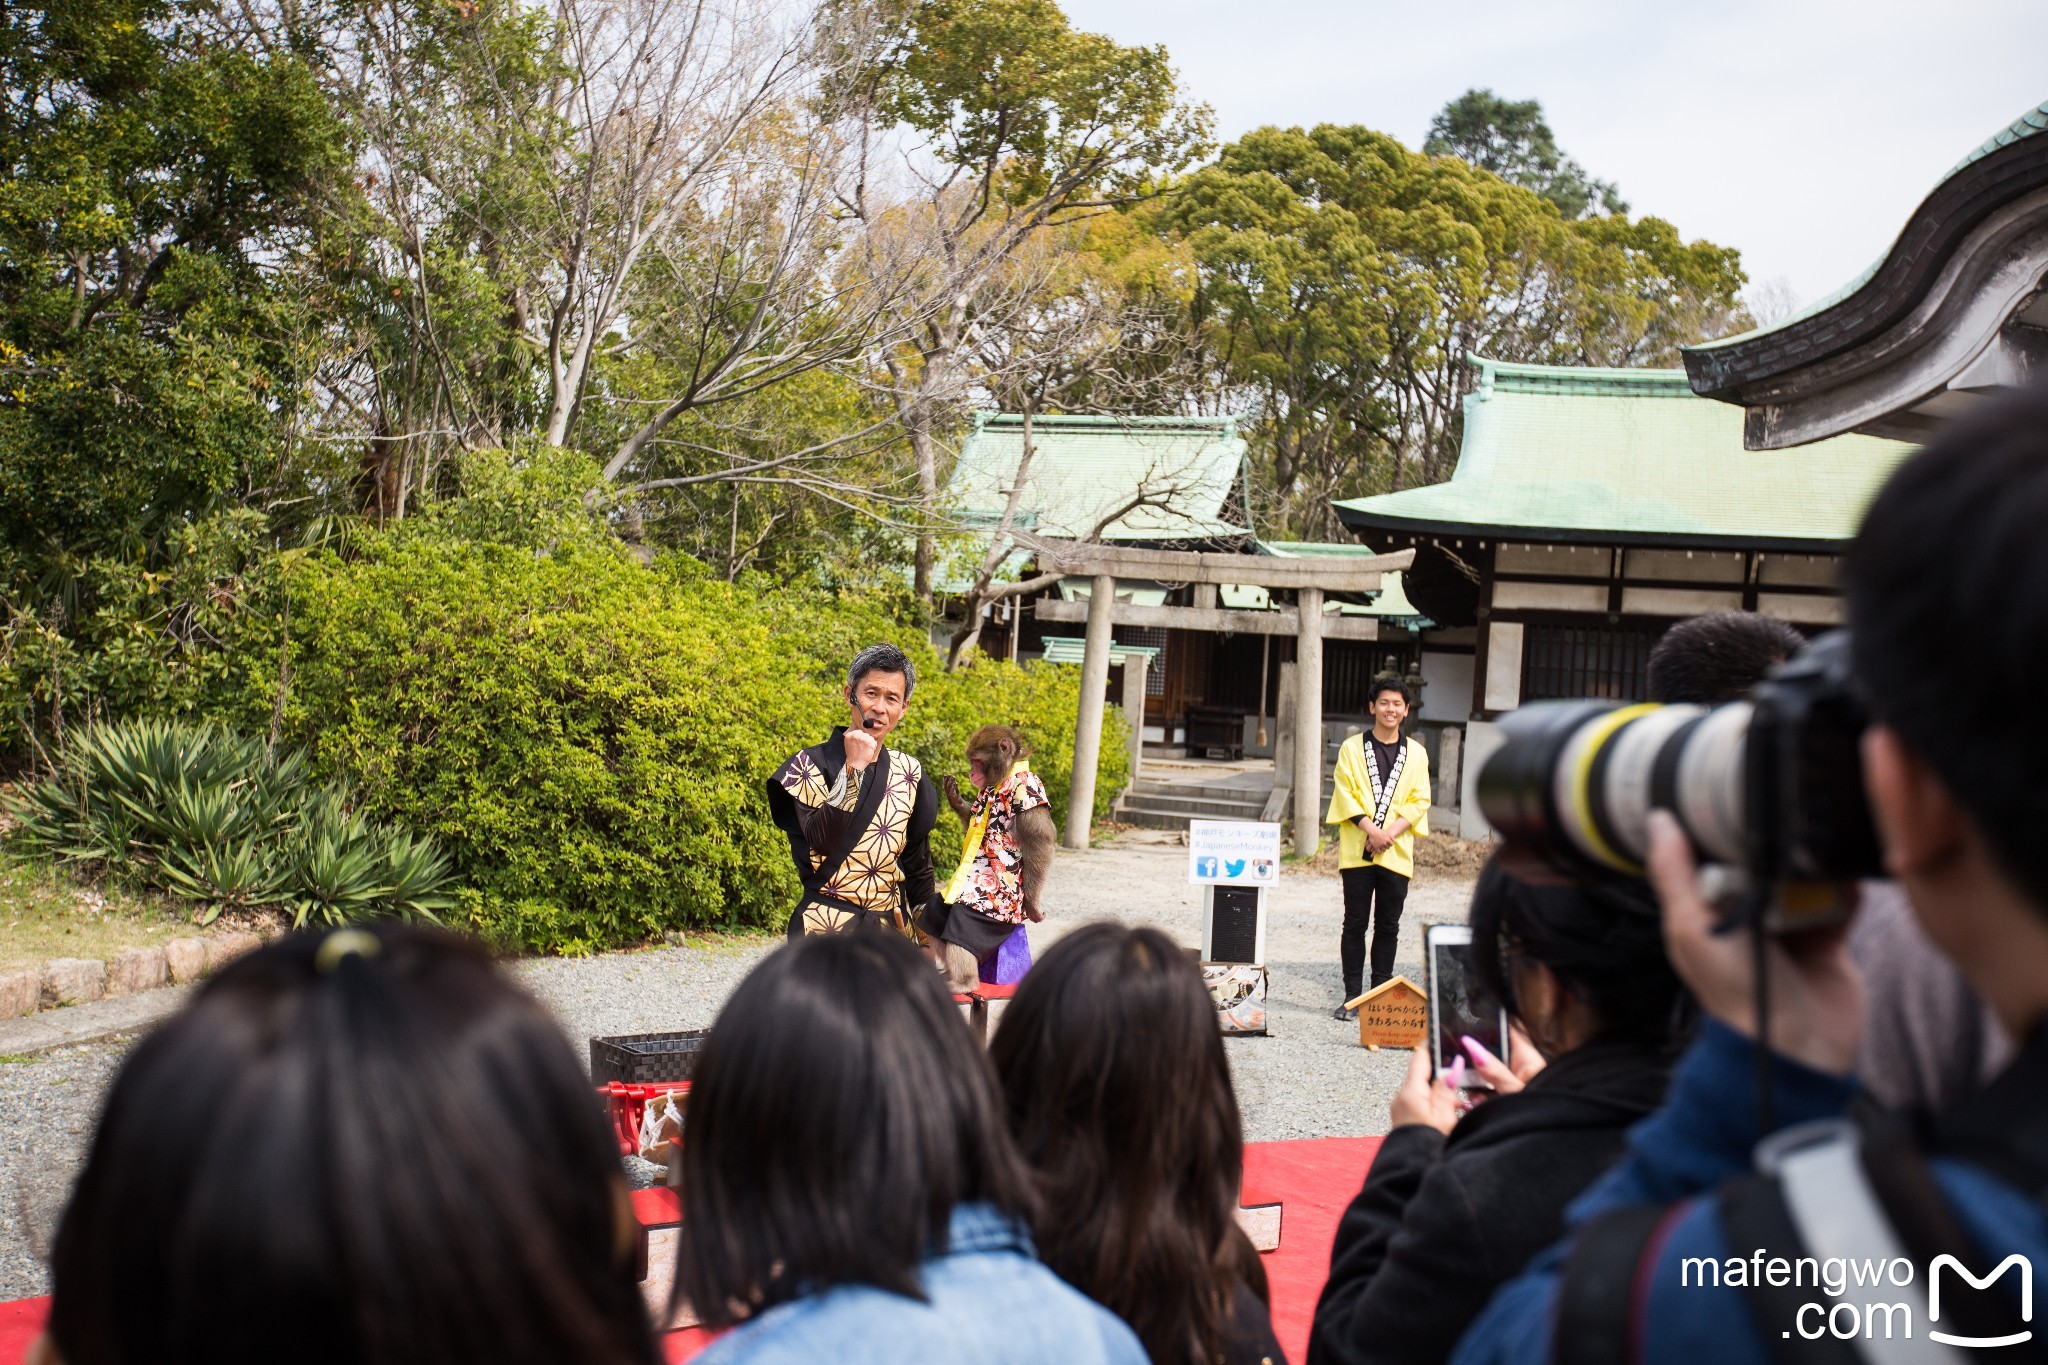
(1552, 452)
(2034, 121)
(1083, 467)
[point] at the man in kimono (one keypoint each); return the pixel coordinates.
(859, 814)
(1381, 802)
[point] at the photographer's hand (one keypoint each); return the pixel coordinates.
(1816, 994)
(1422, 1100)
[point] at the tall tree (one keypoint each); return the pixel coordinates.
(1004, 122)
(161, 175)
(556, 190)
(1088, 324)
(1512, 139)
(1345, 280)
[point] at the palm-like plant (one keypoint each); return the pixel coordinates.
(209, 816)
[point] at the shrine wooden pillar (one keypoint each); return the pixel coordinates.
(1088, 724)
(1308, 722)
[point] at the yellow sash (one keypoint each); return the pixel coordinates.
(977, 829)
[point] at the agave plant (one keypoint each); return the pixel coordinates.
(209, 816)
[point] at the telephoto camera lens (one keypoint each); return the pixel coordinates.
(1772, 786)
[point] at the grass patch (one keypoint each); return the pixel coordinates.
(45, 914)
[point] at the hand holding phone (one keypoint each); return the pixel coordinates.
(1453, 1014)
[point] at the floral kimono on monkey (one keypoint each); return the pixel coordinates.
(1004, 858)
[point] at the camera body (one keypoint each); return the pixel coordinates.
(1769, 790)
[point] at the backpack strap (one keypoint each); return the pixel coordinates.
(1754, 1217)
(1927, 1226)
(1600, 1296)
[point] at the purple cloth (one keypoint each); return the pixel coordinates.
(1008, 963)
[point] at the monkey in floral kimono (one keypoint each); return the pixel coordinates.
(1004, 859)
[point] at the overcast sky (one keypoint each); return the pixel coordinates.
(1801, 131)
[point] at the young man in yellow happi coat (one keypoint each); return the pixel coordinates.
(1381, 802)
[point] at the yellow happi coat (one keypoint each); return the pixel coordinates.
(1382, 797)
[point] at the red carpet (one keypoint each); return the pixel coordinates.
(20, 1323)
(1313, 1180)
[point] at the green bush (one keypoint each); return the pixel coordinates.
(209, 817)
(591, 738)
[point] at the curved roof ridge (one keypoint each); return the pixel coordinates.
(2027, 125)
(2034, 121)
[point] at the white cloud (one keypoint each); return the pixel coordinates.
(1801, 131)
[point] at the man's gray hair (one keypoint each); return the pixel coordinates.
(882, 659)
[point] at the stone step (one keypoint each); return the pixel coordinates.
(1206, 791)
(1183, 811)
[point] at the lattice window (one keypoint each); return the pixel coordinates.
(1579, 661)
(1147, 637)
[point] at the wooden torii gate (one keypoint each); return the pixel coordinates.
(1308, 578)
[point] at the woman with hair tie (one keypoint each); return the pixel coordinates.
(354, 1147)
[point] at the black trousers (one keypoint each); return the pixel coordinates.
(1372, 895)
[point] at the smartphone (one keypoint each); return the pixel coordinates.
(1452, 1010)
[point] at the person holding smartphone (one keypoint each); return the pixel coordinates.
(1380, 800)
(1462, 1194)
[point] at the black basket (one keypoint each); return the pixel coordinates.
(641, 1058)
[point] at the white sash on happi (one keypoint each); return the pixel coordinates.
(1383, 792)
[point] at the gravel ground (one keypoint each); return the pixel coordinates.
(47, 1107)
(1308, 1079)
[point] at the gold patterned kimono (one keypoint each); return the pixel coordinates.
(861, 841)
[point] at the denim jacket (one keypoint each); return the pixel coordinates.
(989, 1302)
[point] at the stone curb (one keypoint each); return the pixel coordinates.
(89, 1023)
(80, 981)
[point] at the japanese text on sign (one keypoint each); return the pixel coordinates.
(1233, 853)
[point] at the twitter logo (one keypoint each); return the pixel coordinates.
(1234, 869)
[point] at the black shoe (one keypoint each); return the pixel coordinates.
(1344, 1012)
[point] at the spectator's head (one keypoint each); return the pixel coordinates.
(1112, 1066)
(839, 1112)
(1718, 657)
(1573, 964)
(358, 1146)
(879, 682)
(1948, 606)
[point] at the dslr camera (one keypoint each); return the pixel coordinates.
(1769, 790)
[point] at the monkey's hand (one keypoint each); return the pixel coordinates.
(960, 804)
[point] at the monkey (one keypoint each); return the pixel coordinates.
(1006, 879)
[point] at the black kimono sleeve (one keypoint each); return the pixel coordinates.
(1402, 1285)
(915, 862)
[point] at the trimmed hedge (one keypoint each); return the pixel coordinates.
(589, 738)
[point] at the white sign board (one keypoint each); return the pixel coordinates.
(1233, 853)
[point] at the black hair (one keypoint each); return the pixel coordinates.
(388, 1154)
(1118, 1090)
(1603, 939)
(1387, 683)
(1948, 608)
(882, 659)
(1719, 656)
(839, 1112)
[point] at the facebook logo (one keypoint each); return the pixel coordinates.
(1205, 866)
(1951, 1263)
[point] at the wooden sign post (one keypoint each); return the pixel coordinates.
(1392, 1014)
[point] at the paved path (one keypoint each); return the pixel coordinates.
(1309, 1079)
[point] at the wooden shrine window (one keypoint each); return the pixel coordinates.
(1609, 662)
